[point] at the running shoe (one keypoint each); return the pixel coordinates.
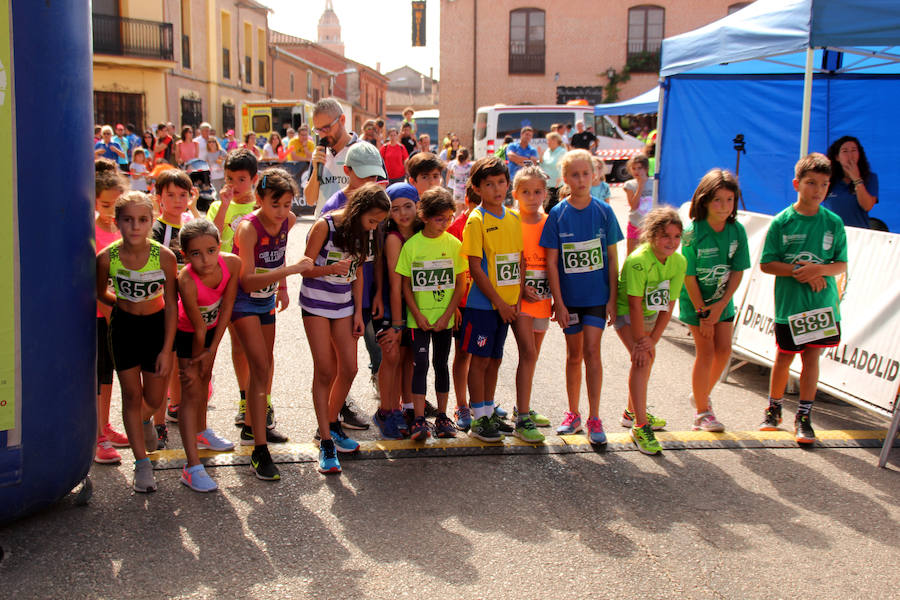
(172, 413)
(272, 436)
(150, 440)
(500, 411)
(350, 417)
(527, 431)
(803, 430)
(706, 421)
(645, 440)
(596, 435)
(443, 426)
(771, 418)
(241, 413)
(399, 422)
(162, 436)
(387, 426)
(105, 454)
(328, 460)
(144, 481)
(118, 440)
(210, 440)
(197, 479)
(571, 424)
(463, 418)
(409, 417)
(483, 428)
(656, 423)
(270, 415)
(537, 418)
(263, 465)
(342, 442)
(420, 430)
(431, 410)
(502, 425)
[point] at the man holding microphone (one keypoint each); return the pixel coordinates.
(325, 175)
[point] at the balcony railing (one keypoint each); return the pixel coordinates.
(138, 38)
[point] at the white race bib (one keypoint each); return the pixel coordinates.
(140, 286)
(210, 313)
(508, 269)
(657, 299)
(432, 275)
(269, 290)
(536, 279)
(334, 257)
(582, 257)
(813, 325)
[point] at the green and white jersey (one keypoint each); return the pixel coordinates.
(712, 256)
(657, 283)
(818, 239)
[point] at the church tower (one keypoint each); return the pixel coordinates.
(330, 30)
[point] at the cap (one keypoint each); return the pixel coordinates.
(402, 190)
(365, 160)
(229, 132)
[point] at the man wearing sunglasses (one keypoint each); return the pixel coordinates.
(328, 123)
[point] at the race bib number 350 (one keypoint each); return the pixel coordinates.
(657, 299)
(432, 275)
(138, 286)
(813, 325)
(336, 257)
(537, 280)
(582, 257)
(508, 272)
(269, 290)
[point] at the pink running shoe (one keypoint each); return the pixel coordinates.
(707, 422)
(105, 453)
(118, 440)
(571, 424)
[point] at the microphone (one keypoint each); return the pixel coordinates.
(323, 143)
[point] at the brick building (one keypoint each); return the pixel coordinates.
(514, 52)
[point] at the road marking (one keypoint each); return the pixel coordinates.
(563, 444)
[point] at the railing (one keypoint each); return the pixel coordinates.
(526, 63)
(122, 36)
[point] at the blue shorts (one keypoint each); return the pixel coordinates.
(595, 316)
(484, 333)
(265, 318)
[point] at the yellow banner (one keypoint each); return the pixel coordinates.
(8, 342)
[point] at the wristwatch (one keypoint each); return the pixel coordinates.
(702, 314)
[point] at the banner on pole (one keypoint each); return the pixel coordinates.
(418, 23)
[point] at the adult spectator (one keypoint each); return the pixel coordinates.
(148, 143)
(424, 145)
(329, 122)
(406, 138)
(274, 149)
(250, 144)
(583, 140)
(290, 134)
(394, 155)
(122, 140)
(231, 142)
(97, 133)
(854, 187)
(203, 140)
(215, 158)
(186, 148)
(521, 154)
(134, 140)
(164, 148)
(107, 148)
(370, 133)
(301, 148)
(379, 130)
(550, 165)
(170, 129)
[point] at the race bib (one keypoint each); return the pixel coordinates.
(813, 325)
(269, 290)
(210, 313)
(140, 286)
(334, 257)
(582, 257)
(536, 279)
(507, 269)
(657, 299)
(432, 275)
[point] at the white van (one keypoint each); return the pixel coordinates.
(493, 123)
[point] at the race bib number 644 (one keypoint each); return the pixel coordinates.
(508, 269)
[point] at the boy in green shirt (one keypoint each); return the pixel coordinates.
(806, 247)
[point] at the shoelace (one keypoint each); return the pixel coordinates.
(329, 452)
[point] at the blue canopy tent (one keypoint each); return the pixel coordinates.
(646, 103)
(788, 75)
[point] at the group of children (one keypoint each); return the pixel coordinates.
(400, 260)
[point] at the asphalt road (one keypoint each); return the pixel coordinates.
(710, 523)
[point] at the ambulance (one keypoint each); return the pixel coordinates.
(262, 117)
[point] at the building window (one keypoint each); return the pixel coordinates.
(117, 107)
(226, 63)
(737, 6)
(309, 87)
(191, 112)
(226, 45)
(292, 83)
(646, 28)
(261, 55)
(526, 41)
(262, 73)
(185, 34)
(248, 69)
(227, 117)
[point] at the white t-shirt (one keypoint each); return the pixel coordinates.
(201, 153)
(333, 176)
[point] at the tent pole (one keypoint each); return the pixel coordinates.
(659, 132)
(807, 104)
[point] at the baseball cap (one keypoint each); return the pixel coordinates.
(402, 190)
(365, 160)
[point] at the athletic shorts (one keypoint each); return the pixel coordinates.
(104, 356)
(633, 233)
(184, 342)
(785, 341)
(625, 321)
(595, 316)
(484, 333)
(136, 340)
(266, 318)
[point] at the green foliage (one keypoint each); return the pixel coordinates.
(611, 89)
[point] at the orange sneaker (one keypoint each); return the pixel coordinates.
(105, 453)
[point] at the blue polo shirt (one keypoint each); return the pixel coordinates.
(517, 149)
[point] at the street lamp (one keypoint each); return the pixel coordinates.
(610, 73)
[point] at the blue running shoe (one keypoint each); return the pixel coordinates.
(328, 460)
(463, 418)
(342, 442)
(387, 425)
(500, 412)
(596, 435)
(197, 479)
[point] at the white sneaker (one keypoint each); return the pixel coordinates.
(707, 421)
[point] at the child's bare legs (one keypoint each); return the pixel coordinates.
(712, 357)
(638, 378)
(461, 360)
(258, 341)
(344, 344)
(482, 378)
(527, 341)
(627, 338)
(318, 334)
(388, 379)
(593, 367)
(780, 373)
(192, 394)
(809, 376)
(104, 399)
(239, 360)
(142, 395)
(174, 390)
(574, 358)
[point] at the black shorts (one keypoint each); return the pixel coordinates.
(266, 318)
(184, 342)
(136, 340)
(104, 356)
(785, 341)
(595, 316)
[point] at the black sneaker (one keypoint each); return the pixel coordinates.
(272, 436)
(431, 410)
(241, 413)
(350, 418)
(409, 417)
(263, 466)
(270, 416)
(772, 419)
(162, 436)
(803, 431)
(502, 425)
